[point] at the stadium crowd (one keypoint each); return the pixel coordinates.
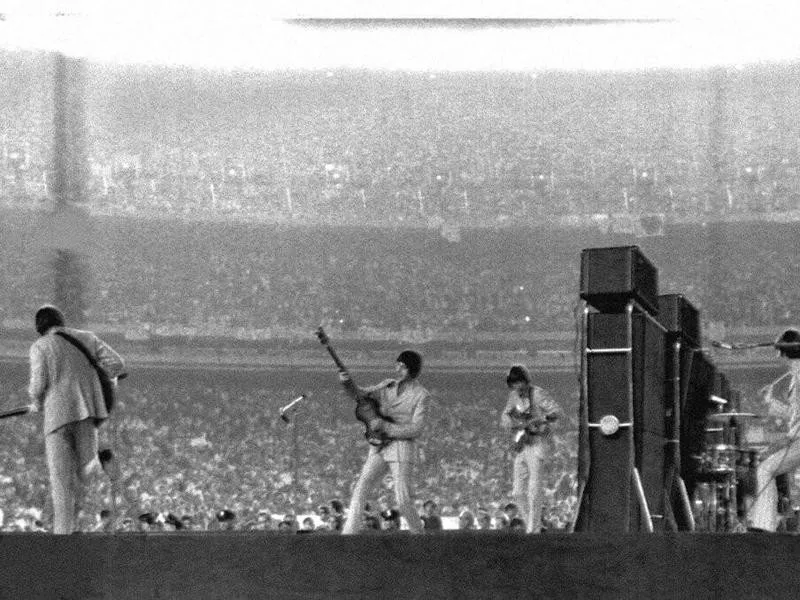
(258, 281)
(389, 147)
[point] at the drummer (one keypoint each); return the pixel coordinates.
(784, 401)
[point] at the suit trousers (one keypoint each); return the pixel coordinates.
(764, 511)
(71, 453)
(527, 486)
(373, 470)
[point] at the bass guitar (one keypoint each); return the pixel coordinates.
(367, 407)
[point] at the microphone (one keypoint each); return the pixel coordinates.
(285, 409)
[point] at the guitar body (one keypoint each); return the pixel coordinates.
(535, 426)
(367, 410)
(367, 406)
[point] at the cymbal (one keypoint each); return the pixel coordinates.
(724, 416)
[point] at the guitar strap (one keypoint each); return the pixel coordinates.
(80, 347)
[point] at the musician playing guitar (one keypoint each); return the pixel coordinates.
(528, 414)
(783, 457)
(397, 422)
(367, 403)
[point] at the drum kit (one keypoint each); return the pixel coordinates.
(725, 471)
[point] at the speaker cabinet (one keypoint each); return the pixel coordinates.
(698, 376)
(611, 277)
(624, 373)
(679, 318)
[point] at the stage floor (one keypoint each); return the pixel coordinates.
(456, 565)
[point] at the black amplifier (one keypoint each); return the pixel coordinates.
(678, 316)
(611, 277)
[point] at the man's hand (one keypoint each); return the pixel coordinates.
(344, 377)
(377, 425)
(33, 407)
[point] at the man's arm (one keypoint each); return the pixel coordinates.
(37, 385)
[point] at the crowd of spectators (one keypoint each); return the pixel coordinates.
(394, 147)
(195, 445)
(258, 281)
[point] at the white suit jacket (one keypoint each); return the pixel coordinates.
(63, 384)
(407, 412)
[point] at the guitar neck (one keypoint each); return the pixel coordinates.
(335, 358)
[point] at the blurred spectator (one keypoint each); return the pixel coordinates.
(431, 520)
(308, 526)
(516, 525)
(466, 520)
(390, 519)
(105, 521)
(484, 519)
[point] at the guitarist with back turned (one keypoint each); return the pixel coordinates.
(398, 421)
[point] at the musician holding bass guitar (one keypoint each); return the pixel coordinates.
(528, 414)
(395, 413)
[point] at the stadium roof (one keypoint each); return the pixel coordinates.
(413, 35)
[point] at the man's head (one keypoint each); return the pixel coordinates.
(517, 524)
(788, 344)
(518, 378)
(429, 507)
(466, 520)
(412, 361)
(390, 520)
(511, 509)
(46, 317)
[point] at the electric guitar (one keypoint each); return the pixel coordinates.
(534, 426)
(367, 408)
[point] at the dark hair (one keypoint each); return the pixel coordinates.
(225, 515)
(174, 521)
(788, 344)
(391, 515)
(516, 374)
(46, 317)
(412, 360)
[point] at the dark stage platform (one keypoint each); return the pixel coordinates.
(453, 565)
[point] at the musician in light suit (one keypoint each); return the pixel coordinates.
(782, 397)
(402, 403)
(66, 388)
(528, 415)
